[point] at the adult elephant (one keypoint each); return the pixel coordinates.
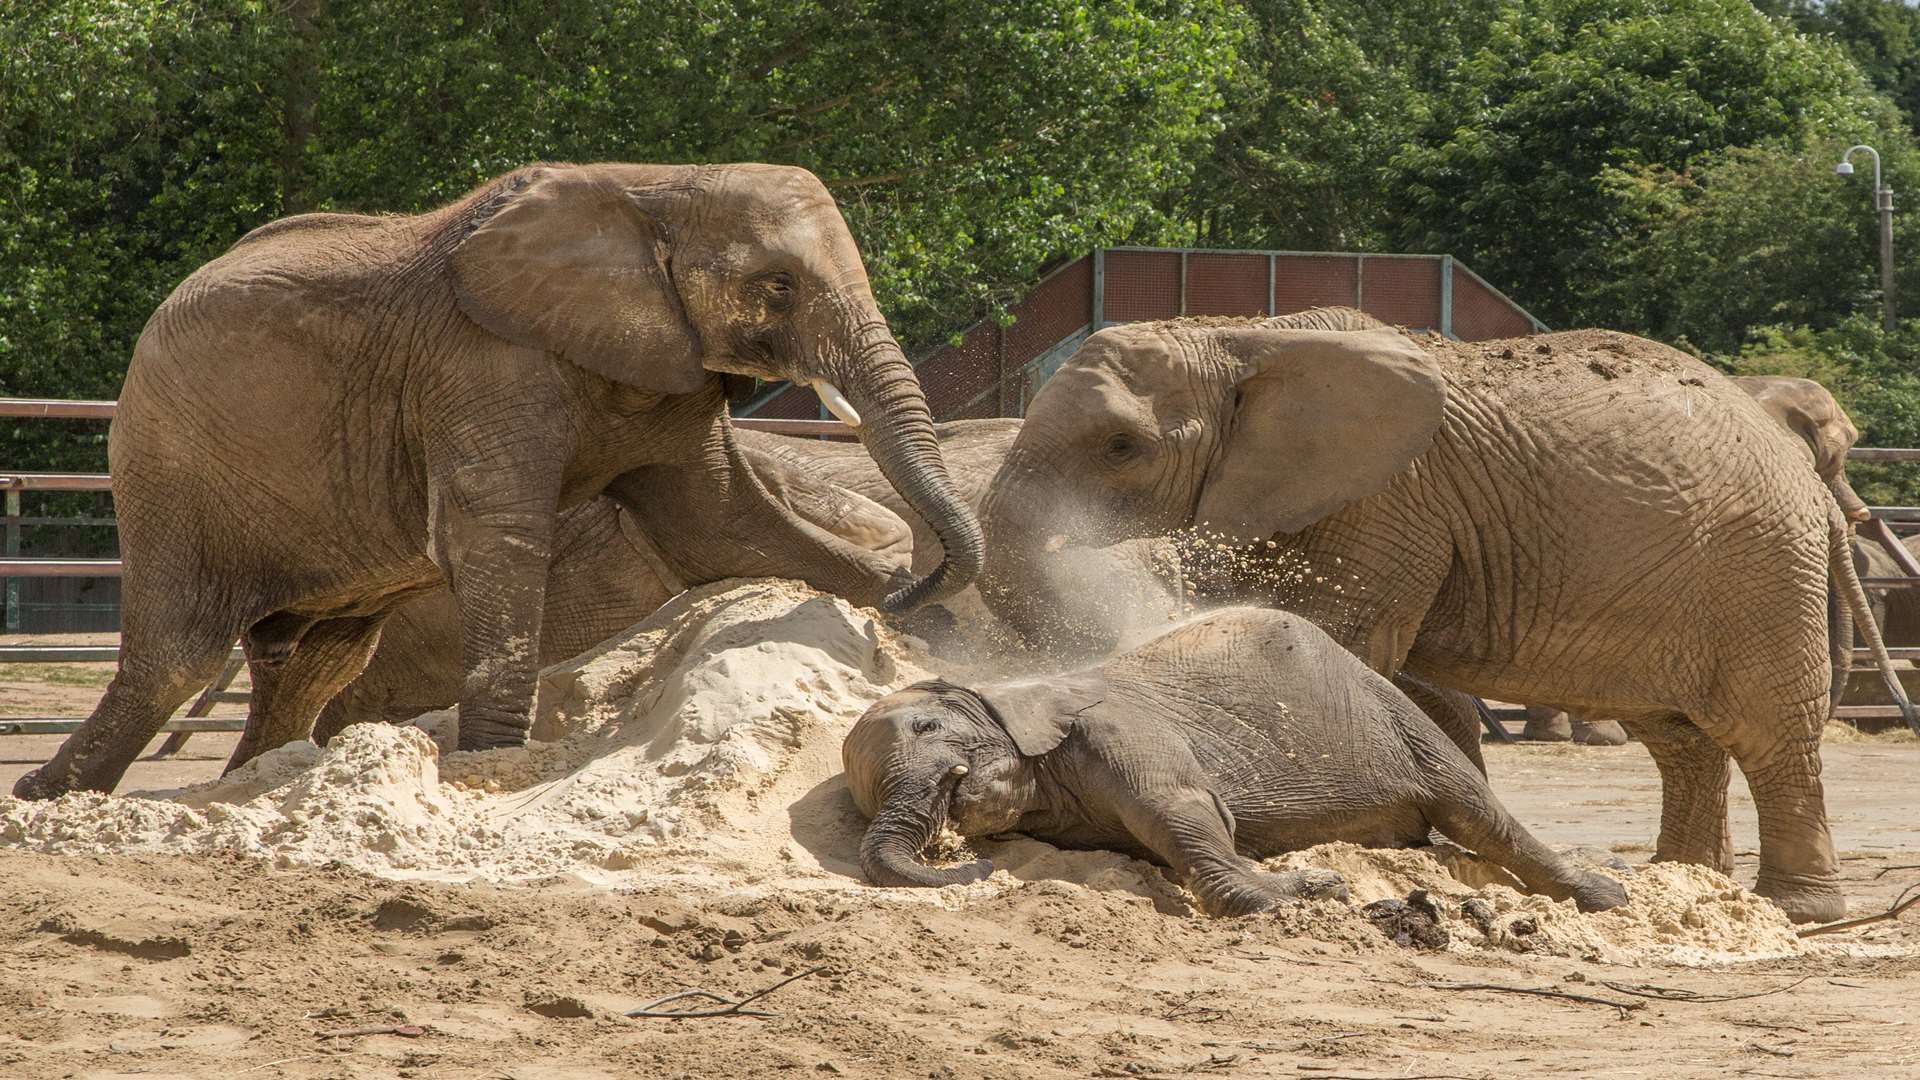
(609, 573)
(343, 411)
(1807, 410)
(1583, 518)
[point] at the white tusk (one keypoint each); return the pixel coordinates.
(837, 403)
(959, 770)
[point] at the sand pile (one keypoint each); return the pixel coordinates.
(701, 749)
(652, 741)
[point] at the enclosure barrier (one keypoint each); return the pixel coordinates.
(996, 365)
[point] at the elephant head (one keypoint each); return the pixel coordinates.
(655, 277)
(1245, 428)
(1807, 409)
(937, 754)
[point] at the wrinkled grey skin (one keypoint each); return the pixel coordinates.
(1243, 734)
(604, 578)
(343, 411)
(1807, 410)
(1584, 519)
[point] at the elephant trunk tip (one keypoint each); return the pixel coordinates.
(890, 870)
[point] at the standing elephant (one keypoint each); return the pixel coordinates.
(608, 574)
(343, 411)
(1584, 518)
(1245, 733)
(1807, 410)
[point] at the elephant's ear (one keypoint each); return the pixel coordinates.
(1039, 713)
(570, 261)
(1321, 418)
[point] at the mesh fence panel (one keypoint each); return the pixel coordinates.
(1401, 290)
(1142, 285)
(1226, 284)
(987, 373)
(1480, 314)
(1309, 281)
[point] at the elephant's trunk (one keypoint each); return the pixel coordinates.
(898, 433)
(912, 807)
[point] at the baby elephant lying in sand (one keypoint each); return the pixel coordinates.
(1240, 735)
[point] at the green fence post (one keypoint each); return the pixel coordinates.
(1446, 296)
(1099, 313)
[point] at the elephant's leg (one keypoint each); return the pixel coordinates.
(1192, 832)
(1694, 771)
(1451, 711)
(1547, 724)
(493, 538)
(272, 640)
(288, 694)
(1462, 806)
(1778, 750)
(1597, 731)
(161, 666)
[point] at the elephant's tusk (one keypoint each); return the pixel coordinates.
(959, 770)
(837, 403)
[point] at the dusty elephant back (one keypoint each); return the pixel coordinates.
(1564, 457)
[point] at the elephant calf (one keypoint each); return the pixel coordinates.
(1240, 735)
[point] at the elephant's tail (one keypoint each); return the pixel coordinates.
(1847, 583)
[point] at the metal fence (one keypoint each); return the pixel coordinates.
(995, 368)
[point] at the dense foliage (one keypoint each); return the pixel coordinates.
(968, 143)
(1661, 166)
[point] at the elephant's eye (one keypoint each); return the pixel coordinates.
(1121, 446)
(923, 725)
(778, 289)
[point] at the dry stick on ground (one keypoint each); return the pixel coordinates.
(1684, 996)
(410, 1031)
(651, 1010)
(1885, 870)
(1900, 904)
(1623, 1006)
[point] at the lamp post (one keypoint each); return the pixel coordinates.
(1882, 201)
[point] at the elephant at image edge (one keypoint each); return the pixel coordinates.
(1586, 518)
(604, 579)
(1245, 733)
(343, 411)
(1809, 411)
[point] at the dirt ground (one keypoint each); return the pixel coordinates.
(163, 966)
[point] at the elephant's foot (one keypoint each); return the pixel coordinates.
(1804, 900)
(492, 729)
(1240, 893)
(1598, 892)
(1598, 733)
(1547, 727)
(41, 784)
(1294, 885)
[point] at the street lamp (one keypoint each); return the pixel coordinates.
(1883, 201)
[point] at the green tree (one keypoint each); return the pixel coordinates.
(1512, 169)
(1882, 37)
(968, 143)
(1329, 91)
(1745, 237)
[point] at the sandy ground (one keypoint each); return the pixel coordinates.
(217, 965)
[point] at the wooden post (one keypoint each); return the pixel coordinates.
(13, 552)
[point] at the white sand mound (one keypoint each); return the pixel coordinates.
(653, 737)
(702, 748)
